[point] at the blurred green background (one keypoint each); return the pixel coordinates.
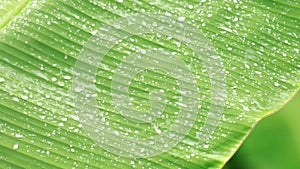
(274, 143)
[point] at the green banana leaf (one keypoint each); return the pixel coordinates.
(41, 46)
(274, 143)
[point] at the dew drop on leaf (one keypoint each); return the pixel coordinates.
(15, 146)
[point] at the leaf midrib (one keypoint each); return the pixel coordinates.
(9, 16)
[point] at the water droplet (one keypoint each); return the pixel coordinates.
(116, 133)
(15, 99)
(24, 97)
(276, 84)
(181, 18)
(75, 117)
(168, 14)
(67, 77)
(157, 130)
(247, 66)
(53, 79)
(78, 89)
(42, 117)
(61, 84)
(15, 146)
(258, 72)
(143, 51)
(2, 79)
(286, 41)
(19, 136)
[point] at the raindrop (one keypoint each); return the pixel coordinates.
(15, 146)
(15, 99)
(157, 130)
(116, 133)
(24, 97)
(143, 51)
(42, 117)
(19, 136)
(190, 7)
(67, 77)
(181, 18)
(247, 66)
(78, 89)
(53, 79)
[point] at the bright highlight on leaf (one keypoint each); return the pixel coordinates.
(84, 84)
